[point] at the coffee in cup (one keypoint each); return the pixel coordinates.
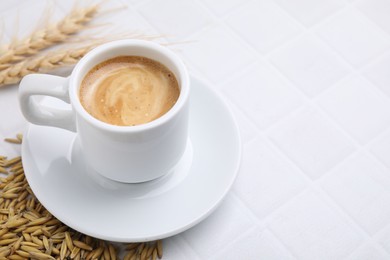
(128, 90)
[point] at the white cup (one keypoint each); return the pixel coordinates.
(122, 153)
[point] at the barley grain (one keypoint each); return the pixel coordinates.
(68, 241)
(28, 243)
(29, 249)
(112, 250)
(106, 253)
(5, 252)
(131, 246)
(75, 251)
(37, 241)
(16, 245)
(63, 250)
(22, 253)
(13, 223)
(150, 251)
(41, 256)
(3, 231)
(13, 141)
(82, 245)
(9, 235)
(154, 255)
(130, 254)
(159, 249)
(4, 242)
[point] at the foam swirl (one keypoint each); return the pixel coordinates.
(128, 91)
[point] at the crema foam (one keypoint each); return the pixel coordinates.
(128, 91)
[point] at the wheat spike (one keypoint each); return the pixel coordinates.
(49, 61)
(47, 37)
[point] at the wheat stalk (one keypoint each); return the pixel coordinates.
(47, 37)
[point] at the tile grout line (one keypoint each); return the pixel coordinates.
(283, 243)
(354, 71)
(258, 224)
(372, 22)
(227, 245)
(193, 251)
(331, 202)
(250, 214)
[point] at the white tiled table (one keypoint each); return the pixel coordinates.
(309, 83)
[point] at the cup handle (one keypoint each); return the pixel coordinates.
(36, 113)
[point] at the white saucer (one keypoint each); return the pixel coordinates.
(109, 210)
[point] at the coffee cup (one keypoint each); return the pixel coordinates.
(129, 151)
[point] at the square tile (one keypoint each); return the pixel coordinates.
(368, 252)
(176, 248)
(310, 12)
(361, 186)
(266, 180)
(310, 65)
(174, 17)
(263, 24)
(217, 53)
(383, 238)
(358, 107)
(247, 129)
(378, 11)
(378, 73)
(381, 148)
(257, 244)
(224, 225)
(312, 142)
(355, 37)
(221, 7)
(311, 229)
(263, 94)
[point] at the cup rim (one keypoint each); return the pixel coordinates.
(178, 106)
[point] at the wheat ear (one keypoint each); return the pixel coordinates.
(49, 36)
(49, 61)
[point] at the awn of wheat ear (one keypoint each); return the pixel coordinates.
(49, 36)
